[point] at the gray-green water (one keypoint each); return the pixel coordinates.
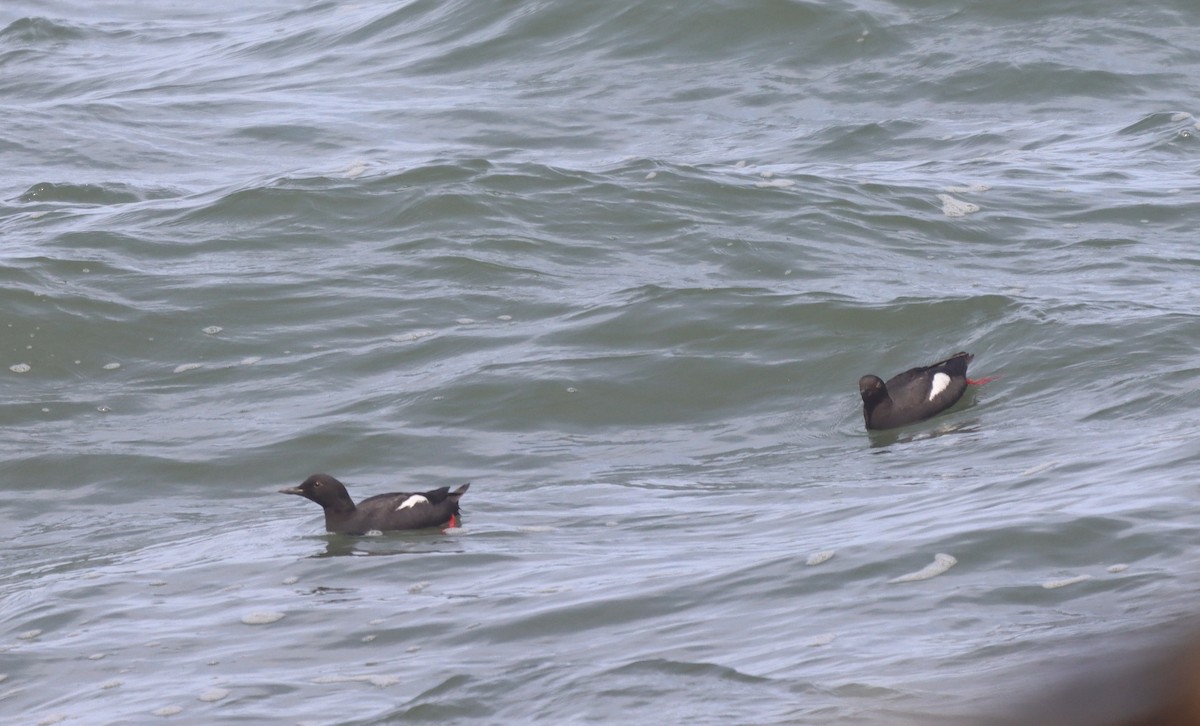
(619, 265)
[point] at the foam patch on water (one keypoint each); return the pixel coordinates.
(213, 329)
(262, 618)
(291, 580)
(19, 368)
(413, 336)
(941, 563)
(952, 207)
(96, 656)
(111, 366)
(1118, 568)
(775, 184)
(108, 685)
(823, 639)
(418, 587)
(356, 169)
(188, 367)
(52, 719)
(29, 634)
(374, 680)
(817, 558)
(969, 189)
(1039, 468)
(213, 694)
(1055, 584)
(168, 711)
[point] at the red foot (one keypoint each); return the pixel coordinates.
(981, 381)
(451, 524)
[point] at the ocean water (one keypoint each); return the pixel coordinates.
(620, 266)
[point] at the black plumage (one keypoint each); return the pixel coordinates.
(382, 512)
(915, 394)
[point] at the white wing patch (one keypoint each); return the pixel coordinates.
(939, 384)
(416, 499)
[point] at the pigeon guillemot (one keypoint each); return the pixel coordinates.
(915, 394)
(399, 510)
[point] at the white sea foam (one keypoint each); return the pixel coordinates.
(940, 564)
(775, 184)
(1038, 469)
(817, 558)
(1063, 582)
(374, 680)
(262, 617)
(952, 207)
(413, 336)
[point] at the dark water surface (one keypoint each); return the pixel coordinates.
(619, 266)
